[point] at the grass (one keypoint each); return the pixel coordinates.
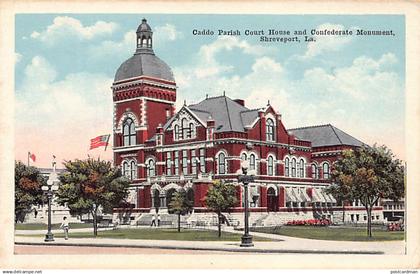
(333, 233)
(44, 226)
(160, 234)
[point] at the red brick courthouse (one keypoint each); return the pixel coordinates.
(162, 150)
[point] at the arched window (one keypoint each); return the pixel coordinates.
(151, 168)
(302, 168)
(126, 170)
(269, 130)
(252, 162)
(314, 171)
(221, 163)
(287, 167)
(326, 170)
(191, 131)
(270, 166)
(293, 167)
(130, 170)
(129, 132)
(244, 157)
(185, 128)
(133, 170)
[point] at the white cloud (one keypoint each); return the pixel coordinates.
(206, 66)
(365, 78)
(39, 74)
(167, 32)
(60, 116)
(117, 49)
(120, 49)
(18, 57)
(65, 26)
(325, 43)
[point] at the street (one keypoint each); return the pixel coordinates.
(80, 250)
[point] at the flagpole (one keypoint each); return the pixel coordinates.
(28, 157)
(107, 141)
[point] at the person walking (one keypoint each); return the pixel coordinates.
(153, 221)
(65, 226)
(158, 219)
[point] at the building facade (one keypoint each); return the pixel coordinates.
(162, 150)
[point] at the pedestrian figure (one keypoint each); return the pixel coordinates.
(65, 226)
(153, 221)
(158, 220)
(36, 213)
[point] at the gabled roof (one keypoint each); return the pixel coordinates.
(325, 135)
(227, 114)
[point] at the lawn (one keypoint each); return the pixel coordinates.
(333, 233)
(44, 226)
(160, 234)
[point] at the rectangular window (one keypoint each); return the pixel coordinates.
(168, 163)
(176, 162)
(184, 162)
(202, 160)
(193, 162)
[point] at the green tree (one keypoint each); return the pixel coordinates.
(28, 182)
(367, 174)
(180, 204)
(88, 185)
(220, 198)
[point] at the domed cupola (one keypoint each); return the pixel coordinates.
(144, 62)
(144, 37)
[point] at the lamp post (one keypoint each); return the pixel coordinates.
(49, 191)
(246, 239)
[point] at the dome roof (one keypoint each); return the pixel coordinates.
(144, 64)
(144, 26)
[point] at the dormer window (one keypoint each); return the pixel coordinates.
(184, 130)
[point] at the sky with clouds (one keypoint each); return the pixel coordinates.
(65, 65)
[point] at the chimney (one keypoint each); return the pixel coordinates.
(240, 101)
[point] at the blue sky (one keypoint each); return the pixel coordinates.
(65, 64)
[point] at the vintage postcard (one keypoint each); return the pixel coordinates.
(217, 136)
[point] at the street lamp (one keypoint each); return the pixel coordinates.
(246, 239)
(49, 191)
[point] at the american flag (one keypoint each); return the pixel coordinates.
(101, 140)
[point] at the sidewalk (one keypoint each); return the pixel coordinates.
(284, 244)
